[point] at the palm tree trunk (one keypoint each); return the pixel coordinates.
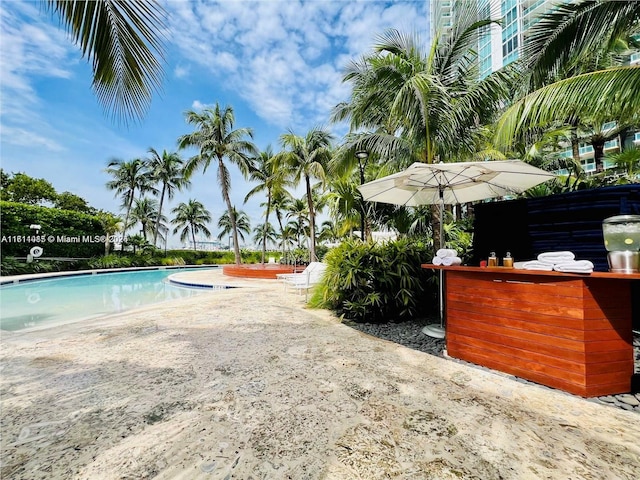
(598, 153)
(312, 222)
(266, 226)
(193, 236)
(155, 233)
(126, 217)
(232, 216)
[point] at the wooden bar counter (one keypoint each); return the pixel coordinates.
(567, 331)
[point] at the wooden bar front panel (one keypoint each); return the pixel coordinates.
(572, 333)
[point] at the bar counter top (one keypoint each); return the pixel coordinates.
(519, 271)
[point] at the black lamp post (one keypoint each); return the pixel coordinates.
(362, 156)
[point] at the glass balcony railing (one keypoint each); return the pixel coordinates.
(611, 144)
(587, 149)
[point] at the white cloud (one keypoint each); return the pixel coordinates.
(181, 71)
(31, 50)
(285, 57)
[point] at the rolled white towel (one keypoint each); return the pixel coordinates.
(446, 252)
(449, 261)
(552, 258)
(575, 266)
(436, 260)
(533, 265)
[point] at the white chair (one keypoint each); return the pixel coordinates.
(306, 279)
(292, 276)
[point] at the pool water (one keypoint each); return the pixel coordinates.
(41, 303)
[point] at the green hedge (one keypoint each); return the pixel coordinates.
(367, 282)
(63, 233)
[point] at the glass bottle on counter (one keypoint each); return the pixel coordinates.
(507, 261)
(493, 260)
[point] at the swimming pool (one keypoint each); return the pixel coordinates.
(45, 302)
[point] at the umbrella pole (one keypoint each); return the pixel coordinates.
(435, 330)
(443, 244)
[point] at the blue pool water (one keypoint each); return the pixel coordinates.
(41, 303)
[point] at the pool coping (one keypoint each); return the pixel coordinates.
(31, 277)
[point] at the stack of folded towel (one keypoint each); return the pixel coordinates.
(446, 257)
(562, 261)
(574, 266)
(533, 265)
(554, 258)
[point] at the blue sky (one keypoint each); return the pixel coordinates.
(277, 63)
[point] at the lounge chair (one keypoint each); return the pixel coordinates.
(305, 279)
(310, 268)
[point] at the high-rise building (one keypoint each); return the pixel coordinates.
(500, 44)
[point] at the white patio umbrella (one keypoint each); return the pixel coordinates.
(452, 183)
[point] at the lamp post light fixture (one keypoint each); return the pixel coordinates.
(363, 157)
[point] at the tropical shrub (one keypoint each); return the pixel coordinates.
(62, 233)
(367, 282)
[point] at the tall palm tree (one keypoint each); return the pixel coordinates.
(129, 177)
(242, 223)
(307, 157)
(166, 169)
(192, 218)
(217, 141)
(124, 42)
(271, 180)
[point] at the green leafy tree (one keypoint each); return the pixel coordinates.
(123, 40)
(217, 141)
(165, 169)
(192, 218)
(21, 188)
(129, 178)
(307, 157)
(71, 201)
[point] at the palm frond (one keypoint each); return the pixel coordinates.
(612, 93)
(124, 42)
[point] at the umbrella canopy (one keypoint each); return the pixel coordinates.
(453, 183)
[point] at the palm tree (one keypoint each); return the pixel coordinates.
(129, 177)
(123, 40)
(271, 180)
(242, 223)
(111, 224)
(281, 202)
(421, 105)
(298, 210)
(216, 139)
(192, 218)
(263, 232)
(307, 157)
(146, 212)
(167, 170)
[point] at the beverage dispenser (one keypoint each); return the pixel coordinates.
(622, 241)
